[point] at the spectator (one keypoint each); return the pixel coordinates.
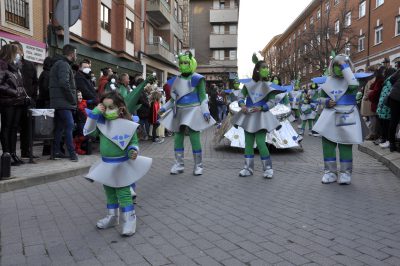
(112, 83)
(106, 73)
(220, 99)
(123, 87)
(394, 104)
(80, 119)
(84, 84)
(366, 111)
(373, 97)
(144, 111)
(44, 95)
(389, 70)
(29, 76)
(155, 107)
(13, 99)
(63, 100)
(212, 101)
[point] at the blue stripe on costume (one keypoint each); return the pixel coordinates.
(249, 156)
(115, 159)
(128, 208)
(180, 149)
(330, 159)
(266, 158)
(347, 99)
(196, 77)
(196, 151)
(113, 206)
(189, 98)
(346, 161)
(249, 103)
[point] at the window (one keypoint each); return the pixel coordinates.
(305, 48)
(176, 49)
(129, 30)
(105, 18)
(379, 2)
(378, 35)
(361, 9)
(221, 4)
(232, 55)
(176, 9)
(347, 19)
(319, 39)
(361, 42)
(311, 20)
(310, 70)
(180, 14)
(232, 29)
(219, 54)
(336, 2)
(397, 26)
(17, 12)
(218, 29)
(318, 13)
(337, 26)
(327, 6)
(305, 27)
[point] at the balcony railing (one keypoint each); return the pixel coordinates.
(17, 12)
(158, 40)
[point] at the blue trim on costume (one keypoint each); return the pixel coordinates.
(91, 115)
(249, 156)
(196, 77)
(265, 107)
(189, 98)
(346, 161)
(249, 103)
(240, 102)
(113, 206)
(347, 99)
(196, 151)
(133, 186)
(327, 102)
(132, 148)
(182, 149)
(266, 158)
(330, 159)
(128, 208)
(342, 67)
(115, 159)
(171, 81)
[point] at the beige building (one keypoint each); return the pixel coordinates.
(213, 37)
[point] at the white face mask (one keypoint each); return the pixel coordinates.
(17, 58)
(86, 70)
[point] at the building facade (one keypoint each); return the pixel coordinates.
(213, 28)
(22, 20)
(367, 30)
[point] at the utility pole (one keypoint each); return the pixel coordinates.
(66, 22)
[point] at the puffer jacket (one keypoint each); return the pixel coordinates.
(12, 91)
(62, 84)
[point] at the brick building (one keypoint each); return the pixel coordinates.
(22, 21)
(213, 36)
(367, 30)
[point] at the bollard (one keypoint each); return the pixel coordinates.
(5, 170)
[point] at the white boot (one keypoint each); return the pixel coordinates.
(198, 163)
(248, 167)
(129, 225)
(178, 167)
(110, 220)
(330, 170)
(267, 168)
(346, 169)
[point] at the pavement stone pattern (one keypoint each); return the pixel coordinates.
(214, 219)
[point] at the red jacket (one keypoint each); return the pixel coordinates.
(155, 107)
(103, 80)
(374, 93)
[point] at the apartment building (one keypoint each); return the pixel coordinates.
(22, 20)
(213, 37)
(367, 30)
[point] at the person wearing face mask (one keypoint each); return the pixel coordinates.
(84, 84)
(64, 100)
(120, 166)
(187, 108)
(340, 123)
(12, 99)
(31, 85)
(256, 100)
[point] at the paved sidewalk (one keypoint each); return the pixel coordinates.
(390, 159)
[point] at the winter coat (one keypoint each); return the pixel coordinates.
(62, 84)
(12, 92)
(375, 92)
(44, 78)
(29, 76)
(103, 80)
(85, 85)
(395, 80)
(144, 111)
(365, 102)
(383, 111)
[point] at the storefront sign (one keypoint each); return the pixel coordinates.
(33, 50)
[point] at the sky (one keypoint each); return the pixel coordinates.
(259, 22)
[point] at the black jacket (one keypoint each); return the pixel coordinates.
(29, 76)
(395, 92)
(44, 79)
(85, 85)
(12, 91)
(62, 84)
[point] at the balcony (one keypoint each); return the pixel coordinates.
(160, 49)
(159, 12)
(223, 40)
(226, 62)
(224, 15)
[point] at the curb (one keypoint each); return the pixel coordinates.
(24, 182)
(389, 159)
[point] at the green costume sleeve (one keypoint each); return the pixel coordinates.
(242, 96)
(133, 97)
(285, 100)
(201, 90)
(134, 141)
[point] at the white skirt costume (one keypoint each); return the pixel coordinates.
(253, 122)
(342, 123)
(185, 108)
(117, 171)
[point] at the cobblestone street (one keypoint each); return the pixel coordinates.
(214, 219)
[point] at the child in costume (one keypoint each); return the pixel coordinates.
(256, 99)
(294, 98)
(80, 119)
(120, 166)
(340, 123)
(187, 108)
(308, 108)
